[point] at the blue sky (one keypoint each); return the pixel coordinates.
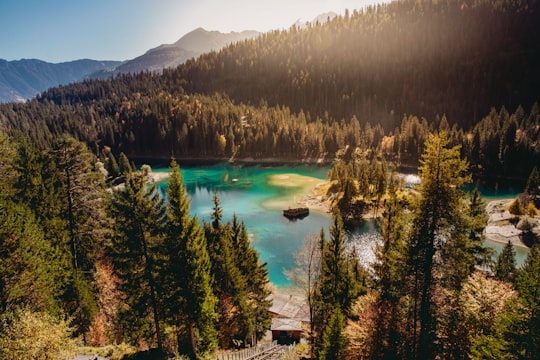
(64, 30)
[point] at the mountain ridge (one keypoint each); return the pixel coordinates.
(25, 78)
(191, 45)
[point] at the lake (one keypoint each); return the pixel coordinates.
(257, 194)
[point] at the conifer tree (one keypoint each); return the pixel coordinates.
(437, 226)
(256, 275)
(138, 213)
(31, 269)
(235, 314)
(505, 268)
(125, 166)
(528, 284)
(337, 286)
(82, 196)
(389, 271)
(533, 184)
(186, 276)
(334, 341)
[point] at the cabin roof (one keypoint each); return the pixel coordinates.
(280, 324)
(289, 306)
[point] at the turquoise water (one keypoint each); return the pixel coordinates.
(253, 194)
(248, 192)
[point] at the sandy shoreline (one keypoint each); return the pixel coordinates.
(158, 176)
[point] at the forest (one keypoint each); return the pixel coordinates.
(92, 253)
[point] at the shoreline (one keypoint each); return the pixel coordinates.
(209, 160)
(499, 229)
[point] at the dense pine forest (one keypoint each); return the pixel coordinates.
(92, 253)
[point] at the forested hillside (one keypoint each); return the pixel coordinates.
(451, 57)
(379, 78)
(93, 252)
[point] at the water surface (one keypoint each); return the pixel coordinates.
(258, 194)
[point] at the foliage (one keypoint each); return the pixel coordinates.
(505, 268)
(334, 342)
(138, 215)
(483, 306)
(338, 285)
(186, 276)
(30, 268)
(533, 183)
(515, 207)
(528, 284)
(25, 334)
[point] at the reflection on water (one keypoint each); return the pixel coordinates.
(258, 194)
(363, 237)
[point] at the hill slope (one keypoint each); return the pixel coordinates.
(23, 79)
(451, 57)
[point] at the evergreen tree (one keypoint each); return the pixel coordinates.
(112, 166)
(437, 227)
(389, 272)
(337, 287)
(186, 277)
(505, 268)
(334, 341)
(533, 184)
(256, 275)
(84, 198)
(528, 284)
(31, 269)
(125, 166)
(80, 189)
(235, 314)
(28, 164)
(138, 213)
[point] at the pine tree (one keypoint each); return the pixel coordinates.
(505, 268)
(533, 184)
(235, 314)
(82, 194)
(125, 166)
(334, 341)
(256, 275)
(437, 227)
(389, 270)
(138, 213)
(186, 277)
(528, 284)
(31, 269)
(337, 287)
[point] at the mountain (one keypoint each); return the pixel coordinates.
(23, 79)
(190, 46)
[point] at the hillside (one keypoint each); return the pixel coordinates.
(23, 79)
(457, 58)
(286, 94)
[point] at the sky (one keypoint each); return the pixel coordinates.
(65, 30)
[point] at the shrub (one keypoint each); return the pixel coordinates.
(516, 208)
(25, 334)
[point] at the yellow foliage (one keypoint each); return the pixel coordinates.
(531, 209)
(34, 335)
(515, 208)
(360, 333)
